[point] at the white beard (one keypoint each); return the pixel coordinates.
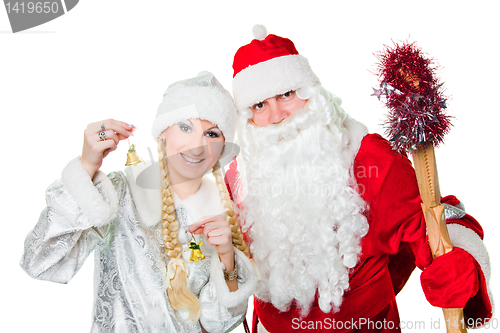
(301, 203)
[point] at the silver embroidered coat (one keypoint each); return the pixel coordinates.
(130, 263)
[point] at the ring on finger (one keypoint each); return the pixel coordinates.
(102, 135)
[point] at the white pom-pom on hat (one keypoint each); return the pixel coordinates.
(259, 32)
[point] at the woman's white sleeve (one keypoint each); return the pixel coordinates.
(74, 221)
(221, 309)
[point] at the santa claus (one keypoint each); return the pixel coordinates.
(332, 213)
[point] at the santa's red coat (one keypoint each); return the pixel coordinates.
(387, 182)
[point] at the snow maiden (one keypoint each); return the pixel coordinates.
(164, 258)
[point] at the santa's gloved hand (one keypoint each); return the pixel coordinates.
(424, 256)
(450, 280)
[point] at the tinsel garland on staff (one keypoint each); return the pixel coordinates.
(413, 96)
(416, 123)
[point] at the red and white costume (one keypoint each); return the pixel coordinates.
(396, 239)
(396, 234)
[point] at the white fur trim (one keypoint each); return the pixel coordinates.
(227, 298)
(147, 201)
(82, 189)
(469, 241)
(194, 102)
(172, 117)
(356, 132)
(270, 78)
(205, 202)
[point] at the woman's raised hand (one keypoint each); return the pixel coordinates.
(100, 139)
(217, 232)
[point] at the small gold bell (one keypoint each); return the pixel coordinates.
(132, 158)
(196, 253)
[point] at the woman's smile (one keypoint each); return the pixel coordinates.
(191, 160)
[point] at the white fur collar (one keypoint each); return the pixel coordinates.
(356, 131)
(205, 202)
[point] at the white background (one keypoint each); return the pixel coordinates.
(114, 59)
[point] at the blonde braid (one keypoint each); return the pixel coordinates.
(237, 236)
(179, 296)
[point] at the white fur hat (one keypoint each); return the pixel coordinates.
(201, 97)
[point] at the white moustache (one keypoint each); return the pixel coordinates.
(287, 129)
(303, 242)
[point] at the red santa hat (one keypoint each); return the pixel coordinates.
(268, 66)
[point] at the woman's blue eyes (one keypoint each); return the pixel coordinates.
(210, 134)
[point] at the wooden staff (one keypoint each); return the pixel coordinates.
(424, 160)
(416, 119)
